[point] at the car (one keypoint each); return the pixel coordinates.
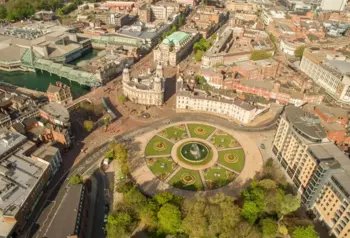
(106, 207)
(105, 218)
(262, 146)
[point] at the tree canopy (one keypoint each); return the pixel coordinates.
(260, 55)
(88, 125)
(76, 179)
(299, 51)
(305, 232)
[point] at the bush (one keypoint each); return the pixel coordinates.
(122, 99)
(76, 179)
(88, 125)
(124, 187)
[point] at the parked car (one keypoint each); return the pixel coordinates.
(262, 146)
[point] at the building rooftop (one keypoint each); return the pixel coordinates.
(10, 140)
(307, 125)
(64, 222)
(53, 89)
(57, 111)
(45, 152)
(18, 176)
(341, 66)
(177, 38)
(332, 111)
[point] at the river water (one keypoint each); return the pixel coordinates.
(41, 81)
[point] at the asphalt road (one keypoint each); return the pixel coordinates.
(99, 205)
(55, 191)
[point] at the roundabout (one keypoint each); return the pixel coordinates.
(193, 156)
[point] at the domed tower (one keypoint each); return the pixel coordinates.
(126, 75)
(160, 71)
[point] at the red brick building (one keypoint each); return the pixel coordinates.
(332, 115)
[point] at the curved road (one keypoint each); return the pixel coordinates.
(92, 157)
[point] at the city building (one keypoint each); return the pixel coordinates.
(256, 70)
(109, 64)
(147, 34)
(330, 70)
(333, 5)
(174, 48)
(269, 15)
(206, 20)
(159, 11)
(235, 44)
(59, 93)
(289, 46)
(197, 100)
(318, 168)
(48, 154)
(71, 218)
(147, 89)
(56, 114)
(45, 15)
(22, 181)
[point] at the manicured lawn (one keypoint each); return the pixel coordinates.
(237, 166)
(204, 161)
(150, 148)
(221, 140)
(161, 167)
(177, 182)
(195, 130)
(174, 133)
(219, 176)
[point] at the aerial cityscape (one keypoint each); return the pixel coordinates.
(175, 119)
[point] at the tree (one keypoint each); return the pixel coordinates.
(88, 125)
(260, 55)
(106, 122)
(181, 20)
(283, 230)
(163, 198)
(289, 204)
(76, 179)
(195, 222)
(135, 198)
(123, 99)
(3, 12)
(118, 225)
(269, 227)
(148, 214)
(244, 230)
(250, 211)
(198, 55)
(305, 232)
(299, 51)
(169, 217)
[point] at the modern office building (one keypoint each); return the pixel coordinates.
(318, 168)
(329, 70)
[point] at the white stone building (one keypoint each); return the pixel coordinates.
(147, 89)
(234, 108)
(331, 72)
(174, 48)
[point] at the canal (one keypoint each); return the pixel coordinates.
(41, 81)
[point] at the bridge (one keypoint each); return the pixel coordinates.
(30, 61)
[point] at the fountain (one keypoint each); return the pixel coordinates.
(195, 151)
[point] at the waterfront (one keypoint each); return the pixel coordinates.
(41, 81)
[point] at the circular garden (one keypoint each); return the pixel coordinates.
(194, 156)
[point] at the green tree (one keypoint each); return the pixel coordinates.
(269, 227)
(76, 179)
(163, 198)
(181, 20)
(135, 198)
(289, 204)
(244, 230)
(198, 55)
(106, 121)
(122, 99)
(283, 230)
(148, 214)
(305, 232)
(3, 12)
(250, 211)
(118, 225)
(260, 55)
(88, 125)
(195, 223)
(299, 51)
(169, 217)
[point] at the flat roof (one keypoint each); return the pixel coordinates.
(45, 152)
(10, 139)
(303, 121)
(342, 66)
(332, 111)
(64, 222)
(56, 110)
